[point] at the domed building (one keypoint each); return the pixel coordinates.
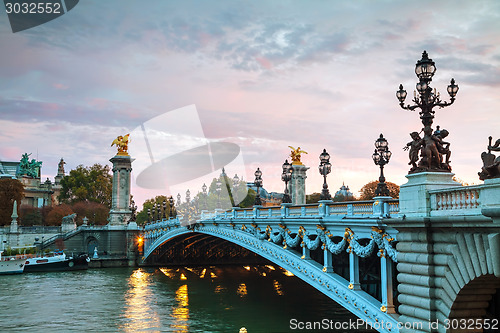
(343, 194)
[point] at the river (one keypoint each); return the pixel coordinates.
(183, 299)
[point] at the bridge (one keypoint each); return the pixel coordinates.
(424, 263)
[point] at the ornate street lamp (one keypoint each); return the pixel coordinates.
(153, 212)
(158, 211)
(178, 199)
(164, 209)
(325, 167)
(171, 204)
(432, 147)
(188, 196)
(149, 215)
(381, 157)
(218, 189)
(286, 176)
(205, 196)
(258, 184)
(236, 185)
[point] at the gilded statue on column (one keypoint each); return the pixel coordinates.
(121, 143)
(295, 155)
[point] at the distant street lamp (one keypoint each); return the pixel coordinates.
(258, 184)
(218, 189)
(205, 196)
(149, 214)
(286, 176)
(171, 204)
(381, 157)
(325, 167)
(178, 199)
(153, 212)
(164, 209)
(188, 196)
(236, 185)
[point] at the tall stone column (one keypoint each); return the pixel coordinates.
(297, 185)
(120, 212)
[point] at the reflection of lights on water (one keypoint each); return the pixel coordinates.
(278, 288)
(212, 275)
(203, 273)
(288, 273)
(183, 277)
(242, 290)
(270, 267)
(246, 267)
(168, 272)
(138, 312)
(181, 312)
(262, 273)
(220, 289)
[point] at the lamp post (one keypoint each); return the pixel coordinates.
(171, 204)
(381, 157)
(164, 209)
(149, 214)
(236, 185)
(286, 176)
(258, 184)
(218, 189)
(178, 199)
(205, 196)
(188, 196)
(325, 167)
(153, 212)
(426, 99)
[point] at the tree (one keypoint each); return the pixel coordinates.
(10, 190)
(312, 198)
(95, 212)
(57, 213)
(367, 192)
(87, 184)
(142, 216)
(30, 215)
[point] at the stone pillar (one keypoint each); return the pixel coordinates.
(14, 216)
(414, 197)
(297, 185)
(120, 212)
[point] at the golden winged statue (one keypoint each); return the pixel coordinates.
(121, 143)
(295, 155)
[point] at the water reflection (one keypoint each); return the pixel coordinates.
(242, 290)
(180, 313)
(138, 312)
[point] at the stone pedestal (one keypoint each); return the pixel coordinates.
(413, 196)
(120, 212)
(490, 199)
(297, 185)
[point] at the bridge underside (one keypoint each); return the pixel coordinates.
(201, 249)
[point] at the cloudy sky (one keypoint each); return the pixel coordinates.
(262, 74)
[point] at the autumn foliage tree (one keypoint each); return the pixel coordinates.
(367, 192)
(90, 184)
(95, 212)
(10, 190)
(55, 216)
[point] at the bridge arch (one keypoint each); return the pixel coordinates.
(329, 283)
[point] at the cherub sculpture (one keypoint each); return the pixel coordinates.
(295, 155)
(443, 147)
(491, 163)
(414, 147)
(121, 143)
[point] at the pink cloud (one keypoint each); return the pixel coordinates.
(264, 62)
(60, 86)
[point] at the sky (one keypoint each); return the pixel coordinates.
(262, 75)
